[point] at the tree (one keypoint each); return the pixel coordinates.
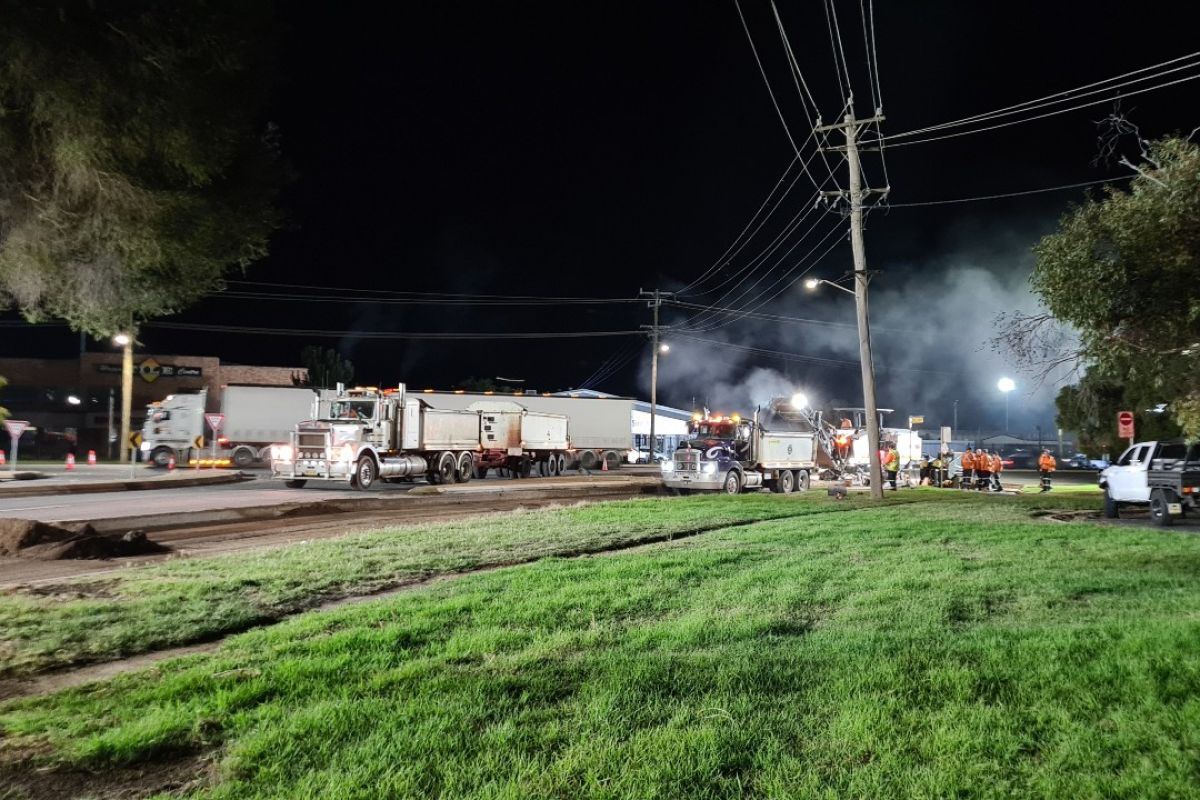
(326, 367)
(474, 384)
(3, 410)
(1090, 409)
(1122, 272)
(134, 166)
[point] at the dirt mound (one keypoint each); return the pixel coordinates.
(24, 538)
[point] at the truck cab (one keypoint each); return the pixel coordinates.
(1164, 475)
(729, 454)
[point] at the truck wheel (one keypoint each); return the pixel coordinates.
(161, 456)
(443, 471)
(803, 480)
(1111, 508)
(480, 473)
(552, 465)
(786, 482)
(526, 467)
(562, 463)
(1158, 508)
(588, 460)
(466, 467)
(613, 459)
(733, 482)
(243, 457)
(296, 484)
(366, 472)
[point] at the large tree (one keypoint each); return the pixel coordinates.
(326, 367)
(135, 163)
(1124, 273)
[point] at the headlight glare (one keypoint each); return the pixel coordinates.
(668, 466)
(281, 452)
(709, 468)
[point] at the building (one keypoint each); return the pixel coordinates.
(75, 403)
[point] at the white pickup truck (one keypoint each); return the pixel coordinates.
(1165, 475)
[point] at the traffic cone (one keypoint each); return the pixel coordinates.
(171, 464)
(603, 464)
(70, 462)
(3, 461)
(91, 458)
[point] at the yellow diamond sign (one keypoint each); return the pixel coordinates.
(149, 370)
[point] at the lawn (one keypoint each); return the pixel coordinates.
(189, 600)
(952, 648)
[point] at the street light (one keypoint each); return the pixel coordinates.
(73, 400)
(1006, 385)
(125, 342)
(659, 348)
(812, 283)
(664, 348)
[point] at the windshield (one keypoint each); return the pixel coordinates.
(352, 409)
(717, 430)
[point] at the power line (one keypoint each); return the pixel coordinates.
(780, 317)
(435, 335)
(800, 357)
(999, 125)
(310, 298)
(449, 295)
(1050, 98)
(848, 94)
(1010, 194)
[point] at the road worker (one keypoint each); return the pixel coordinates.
(1046, 466)
(935, 470)
(968, 469)
(983, 469)
(892, 464)
(997, 468)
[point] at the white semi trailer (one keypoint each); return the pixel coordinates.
(255, 417)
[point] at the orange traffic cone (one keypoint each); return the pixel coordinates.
(70, 462)
(171, 464)
(3, 461)
(91, 458)
(603, 464)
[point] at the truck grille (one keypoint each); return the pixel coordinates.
(310, 440)
(687, 461)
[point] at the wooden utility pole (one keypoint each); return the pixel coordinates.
(655, 298)
(851, 127)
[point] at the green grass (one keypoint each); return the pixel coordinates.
(188, 600)
(940, 649)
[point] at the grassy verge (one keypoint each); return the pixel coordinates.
(936, 649)
(190, 600)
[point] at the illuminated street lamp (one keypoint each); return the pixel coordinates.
(812, 283)
(1006, 385)
(125, 342)
(664, 348)
(799, 401)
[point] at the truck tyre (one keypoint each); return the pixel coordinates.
(562, 463)
(444, 469)
(552, 465)
(480, 473)
(295, 484)
(161, 456)
(1111, 507)
(588, 460)
(785, 482)
(243, 457)
(803, 480)
(613, 458)
(733, 482)
(366, 472)
(526, 467)
(1158, 508)
(466, 467)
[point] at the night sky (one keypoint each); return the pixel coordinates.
(569, 149)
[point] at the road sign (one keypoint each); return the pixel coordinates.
(215, 421)
(198, 442)
(915, 421)
(1125, 424)
(135, 440)
(15, 427)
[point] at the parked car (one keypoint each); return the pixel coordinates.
(1083, 461)
(1020, 459)
(643, 457)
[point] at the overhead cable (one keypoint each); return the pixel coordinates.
(436, 335)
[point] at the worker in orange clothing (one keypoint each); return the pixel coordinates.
(997, 468)
(968, 470)
(1046, 465)
(983, 469)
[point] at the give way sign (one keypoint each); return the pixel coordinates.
(15, 427)
(215, 421)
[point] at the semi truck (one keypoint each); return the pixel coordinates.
(392, 435)
(601, 427)
(726, 453)
(255, 417)
(1163, 475)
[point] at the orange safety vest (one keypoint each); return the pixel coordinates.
(997, 466)
(968, 461)
(1046, 463)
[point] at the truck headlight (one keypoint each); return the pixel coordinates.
(710, 468)
(144, 447)
(668, 466)
(281, 452)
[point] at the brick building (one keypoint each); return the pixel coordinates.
(69, 399)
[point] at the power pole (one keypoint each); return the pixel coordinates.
(655, 297)
(852, 127)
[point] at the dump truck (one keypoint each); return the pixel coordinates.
(254, 418)
(369, 435)
(726, 453)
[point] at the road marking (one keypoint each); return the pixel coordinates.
(30, 508)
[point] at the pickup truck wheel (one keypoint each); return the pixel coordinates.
(296, 484)
(803, 480)
(733, 482)
(1111, 507)
(1158, 508)
(366, 472)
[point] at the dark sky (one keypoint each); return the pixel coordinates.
(594, 149)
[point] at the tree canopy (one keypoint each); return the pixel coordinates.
(1123, 272)
(326, 367)
(135, 164)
